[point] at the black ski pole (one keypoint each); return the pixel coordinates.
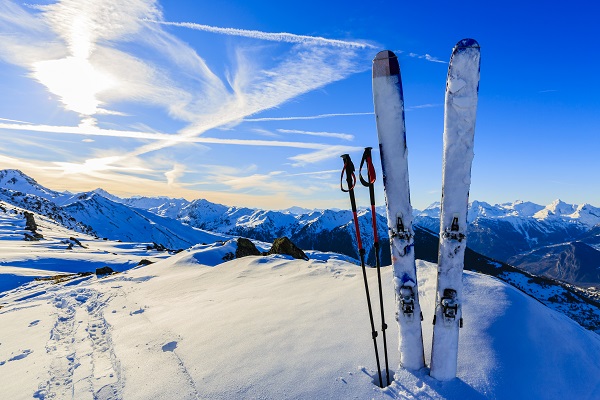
(351, 181)
(371, 177)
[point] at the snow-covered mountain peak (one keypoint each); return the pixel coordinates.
(16, 180)
(521, 208)
(433, 210)
(559, 207)
(107, 195)
(482, 209)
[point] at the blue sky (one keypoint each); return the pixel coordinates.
(208, 99)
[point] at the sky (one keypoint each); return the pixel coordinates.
(251, 103)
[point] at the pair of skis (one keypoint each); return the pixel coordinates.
(348, 172)
(459, 126)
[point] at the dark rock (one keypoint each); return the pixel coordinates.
(143, 261)
(156, 246)
(76, 241)
(246, 248)
(30, 224)
(104, 271)
(283, 245)
(228, 257)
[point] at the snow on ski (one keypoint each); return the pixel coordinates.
(459, 128)
(389, 111)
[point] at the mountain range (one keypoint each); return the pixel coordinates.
(560, 240)
(554, 246)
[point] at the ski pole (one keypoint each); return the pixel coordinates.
(348, 170)
(371, 177)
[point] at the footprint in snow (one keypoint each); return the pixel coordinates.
(171, 346)
(141, 310)
(21, 356)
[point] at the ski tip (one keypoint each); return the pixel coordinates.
(385, 63)
(467, 43)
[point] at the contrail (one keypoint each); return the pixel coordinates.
(305, 117)
(343, 136)
(86, 131)
(276, 37)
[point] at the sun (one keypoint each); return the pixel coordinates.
(75, 81)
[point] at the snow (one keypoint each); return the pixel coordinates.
(272, 327)
(13, 179)
(58, 253)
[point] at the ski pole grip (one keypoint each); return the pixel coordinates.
(370, 169)
(348, 169)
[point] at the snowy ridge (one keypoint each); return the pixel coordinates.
(58, 250)
(499, 231)
(43, 206)
(107, 217)
(557, 211)
(15, 180)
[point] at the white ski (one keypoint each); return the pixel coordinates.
(389, 111)
(459, 128)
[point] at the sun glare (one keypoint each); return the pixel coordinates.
(75, 80)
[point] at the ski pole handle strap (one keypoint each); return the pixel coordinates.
(370, 169)
(348, 170)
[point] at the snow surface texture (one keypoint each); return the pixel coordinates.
(272, 328)
(389, 111)
(459, 131)
(61, 251)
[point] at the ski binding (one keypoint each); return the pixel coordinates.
(407, 296)
(400, 232)
(453, 232)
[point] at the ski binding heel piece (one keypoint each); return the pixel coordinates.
(449, 305)
(407, 297)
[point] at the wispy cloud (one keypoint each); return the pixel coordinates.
(174, 174)
(343, 136)
(276, 37)
(421, 106)
(14, 120)
(321, 155)
(309, 117)
(129, 58)
(160, 137)
(427, 57)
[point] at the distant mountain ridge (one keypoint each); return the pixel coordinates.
(517, 232)
(139, 219)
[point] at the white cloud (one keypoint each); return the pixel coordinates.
(105, 37)
(307, 117)
(343, 136)
(277, 37)
(427, 57)
(321, 155)
(174, 174)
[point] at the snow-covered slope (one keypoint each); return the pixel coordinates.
(119, 222)
(163, 206)
(506, 230)
(272, 328)
(58, 250)
(15, 180)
